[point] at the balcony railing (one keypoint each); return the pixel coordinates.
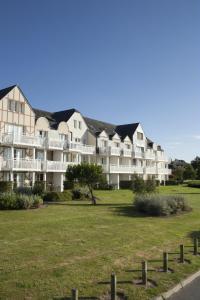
(127, 152)
(26, 140)
(57, 166)
(151, 170)
(126, 169)
(164, 171)
(149, 155)
(55, 144)
(160, 156)
(21, 165)
(115, 151)
(82, 148)
(138, 154)
(103, 150)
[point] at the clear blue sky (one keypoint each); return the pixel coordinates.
(117, 60)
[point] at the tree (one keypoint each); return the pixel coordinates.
(189, 172)
(196, 165)
(178, 174)
(138, 185)
(87, 175)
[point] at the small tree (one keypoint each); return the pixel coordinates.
(87, 175)
(178, 174)
(196, 165)
(150, 185)
(189, 172)
(138, 185)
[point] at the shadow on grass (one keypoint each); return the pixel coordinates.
(80, 298)
(194, 234)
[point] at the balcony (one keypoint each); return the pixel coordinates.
(129, 169)
(150, 155)
(21, 165)
(164, 171)
(55, 144)
(127, 152)
(82, 148)
(138, 154)
(151, 170)
(103, 151)
(57, 166)
(22, 140)
(115, 151)
(160, 156)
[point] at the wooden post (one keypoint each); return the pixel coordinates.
(113, 287)
(182, 254)
(144, 272)
(74, 294)
(165, 261)
(195, 252)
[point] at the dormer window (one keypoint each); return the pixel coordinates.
(15, 106)
(79, 124)
(140, 136)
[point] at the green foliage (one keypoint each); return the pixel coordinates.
(196, 165)
(57, 196)
(39, 188)
(160, 205)
(189, 172)
(126, 184)
(150, 185)
(24, 190)
(178, 174)
(194, 183)
(5, 186)
(171, 182)
(19, 201)
(80, 193)
(68, 185)
(85, 174)
(140, 186)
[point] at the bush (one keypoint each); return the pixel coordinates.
(19, 201)
(150, 186)
(39, 188)
(24, 190)
(104, 186)
(194, 183)
(160, 205)
(138, 185)
(171, 182)
(79, 193)
(68, 185)
(57, 196)
(126, 184)
(5, 186)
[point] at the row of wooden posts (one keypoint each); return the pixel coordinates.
(144, 270)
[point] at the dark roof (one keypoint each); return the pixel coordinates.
(126, 129)
(64, 115)
(96, 126)
(5, 91)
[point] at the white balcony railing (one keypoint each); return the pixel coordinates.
(127, 152)
(77, 147)
(26, 140)
(126, 169)
(160, 156)
(149, 155)
(21, 165)
(164, 171)
(103, 150)
(55, 144)
(151, 170)
(57, 166)
(138, 154)
(115, 151)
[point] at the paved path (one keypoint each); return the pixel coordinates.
(189, 292)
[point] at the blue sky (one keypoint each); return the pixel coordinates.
(116, 60)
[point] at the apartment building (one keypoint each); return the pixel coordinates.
(37, 145)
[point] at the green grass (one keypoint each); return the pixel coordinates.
(46, 252)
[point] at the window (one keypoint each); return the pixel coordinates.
(79, 124)
(140, 136)
(63, 137)
(77, 140)
(117, 145)
(75, 124)
(15, 106)
(42, 133)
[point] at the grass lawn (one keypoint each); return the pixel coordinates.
(46, 252)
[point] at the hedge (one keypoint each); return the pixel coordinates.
(194, 183)
(5, 186)
(19, 201)
(126, 184)
(57, 196)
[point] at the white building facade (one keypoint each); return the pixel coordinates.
(37, 145)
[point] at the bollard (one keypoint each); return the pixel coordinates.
(74, 294)
(144, 272)
(113, 287)
(195, 252)
(182, 254)
(165, 261)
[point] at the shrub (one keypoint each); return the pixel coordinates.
(138, 185)
(150, 185)
(5, 186)
(68, 185)
(194, 183)
(171, 182)
(39, 188)
(104, 186)
(79, 193)
(19, 201)
(57, 196)
(160, 205)
(24, 190)
(126, 184)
